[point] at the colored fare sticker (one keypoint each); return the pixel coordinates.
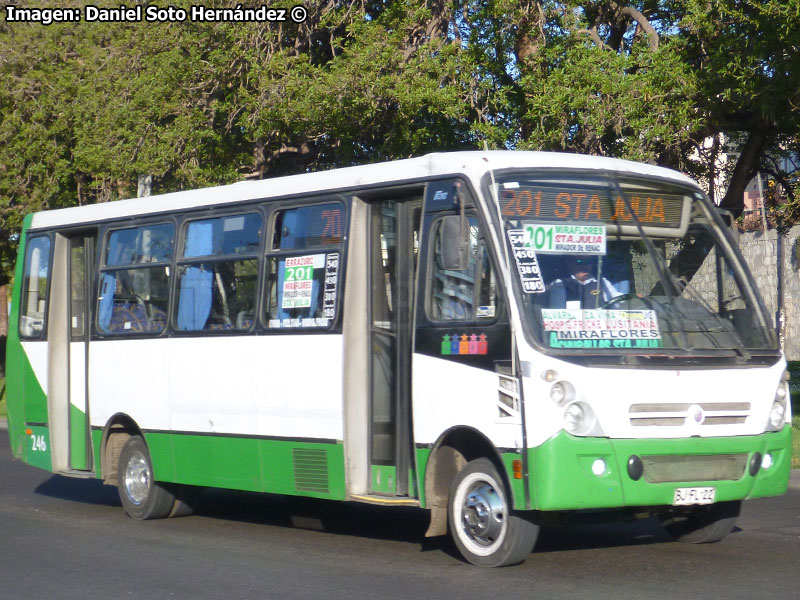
(565, 239)
(530, 275)
(584, 328)
(465, 344)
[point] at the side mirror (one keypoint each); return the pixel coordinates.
(454, 243)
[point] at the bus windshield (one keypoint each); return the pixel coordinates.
(625, 267)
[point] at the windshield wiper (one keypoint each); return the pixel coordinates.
(668, 280)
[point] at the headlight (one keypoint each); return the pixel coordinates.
(777, 415)
(578, 418)
(778, 412)
(562, 392)
(558, 392)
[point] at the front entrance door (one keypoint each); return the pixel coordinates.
(81, 254)
(393, 245)
(68, 351)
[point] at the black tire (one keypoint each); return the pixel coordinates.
(702, 524)
(187, 497)
(485, 530)
(142, 498)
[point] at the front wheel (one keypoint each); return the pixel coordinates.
(483, 526)
(703, 524)
(142, 498)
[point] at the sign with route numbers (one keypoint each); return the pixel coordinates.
(298, 280)
(548, 238)
(527, 266)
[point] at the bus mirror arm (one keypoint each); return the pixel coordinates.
(455, 239)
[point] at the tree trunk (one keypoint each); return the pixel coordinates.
(746, 167)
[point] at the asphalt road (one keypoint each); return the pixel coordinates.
(65, 538)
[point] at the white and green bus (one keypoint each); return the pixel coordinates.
(501, 338)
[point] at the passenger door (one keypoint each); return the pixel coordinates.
(81, 259)
(393, 248)
(68, 351)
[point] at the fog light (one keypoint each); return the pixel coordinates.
(766, 462)
(599, 467)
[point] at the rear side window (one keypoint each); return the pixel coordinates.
(134, 281)
(33, 313)
(303, 267)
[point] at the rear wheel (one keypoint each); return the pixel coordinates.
(702, 524)
(142, 498)
(483, 526)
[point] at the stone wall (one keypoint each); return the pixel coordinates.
(760, 250)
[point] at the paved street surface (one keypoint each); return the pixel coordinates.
(66, 538)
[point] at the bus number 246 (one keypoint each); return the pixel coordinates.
(38, 444)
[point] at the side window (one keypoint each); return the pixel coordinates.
(33, 312)
(308, 226)
(303, 266)
(468, 295)
(218, 274)
(134, 280)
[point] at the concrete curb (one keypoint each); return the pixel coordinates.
(3, 423)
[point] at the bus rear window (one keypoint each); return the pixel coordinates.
(34, 288)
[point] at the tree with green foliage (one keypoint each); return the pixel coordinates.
(86, 108)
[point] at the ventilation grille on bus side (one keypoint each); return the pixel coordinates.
(310, 470)
(716, 467)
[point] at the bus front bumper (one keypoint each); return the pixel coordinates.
(566, 472)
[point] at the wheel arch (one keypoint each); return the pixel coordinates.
(117, 430)
(450, 453)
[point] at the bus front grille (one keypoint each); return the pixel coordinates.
(712, 467)
(310, 470)
(675, 415)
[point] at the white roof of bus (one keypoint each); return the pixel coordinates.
(473, 164)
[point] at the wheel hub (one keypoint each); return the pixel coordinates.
(483, 514)
(137, 479)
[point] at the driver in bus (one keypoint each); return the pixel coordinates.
(582, 288)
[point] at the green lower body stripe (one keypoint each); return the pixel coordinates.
(253, 464)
